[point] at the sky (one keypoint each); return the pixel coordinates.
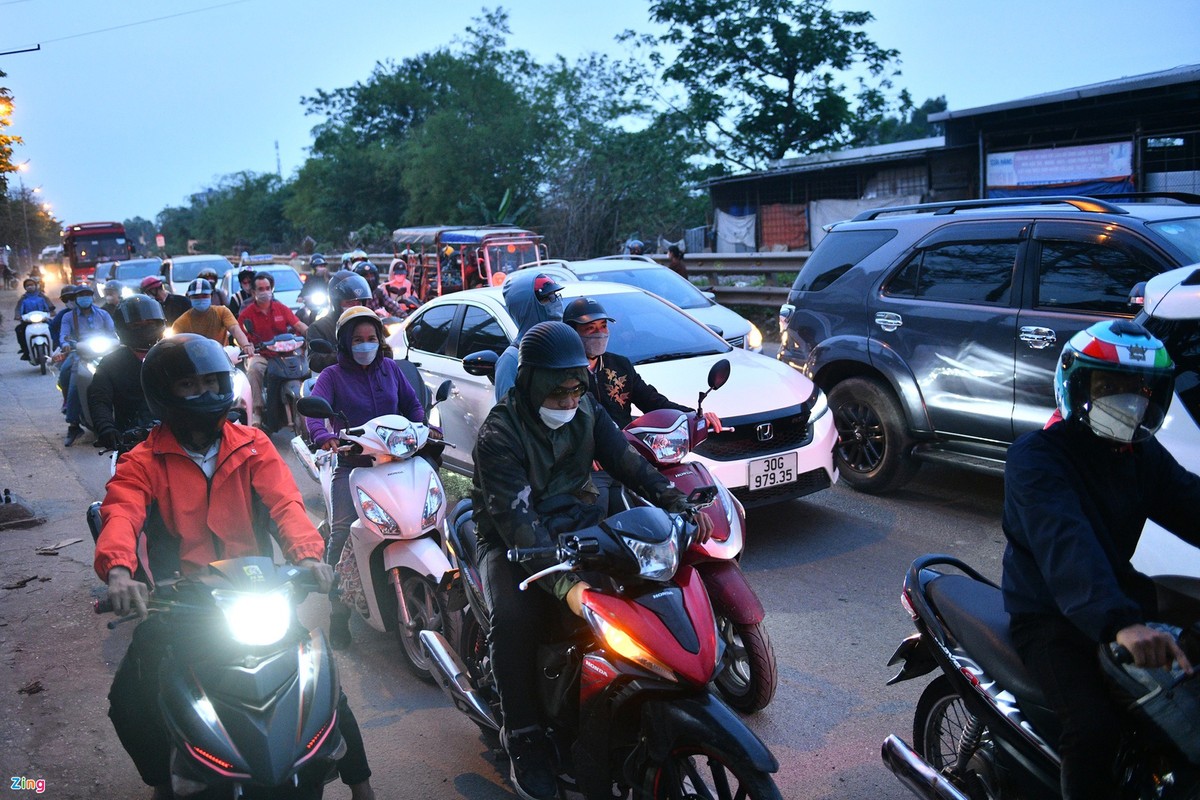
(131, 107)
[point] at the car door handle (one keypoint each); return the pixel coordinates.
(888, 321)
(1038, 338)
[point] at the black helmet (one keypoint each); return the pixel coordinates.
(583, 310)
(551, 345)
(545, 287)
(317, 260)
(366, 269)
(67, 291)
(182, 356)
(346, 285)
(139, 322)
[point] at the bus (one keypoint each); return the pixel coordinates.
(89, 243)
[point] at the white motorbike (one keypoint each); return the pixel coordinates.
(89, 351)
(395, 555)
(37, 338)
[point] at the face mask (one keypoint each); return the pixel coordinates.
(201, 305)
(84, 301)
(364, 353)
(553, 309)
(262, 297)
(555, 418)
(594, 345)
(1118, 416)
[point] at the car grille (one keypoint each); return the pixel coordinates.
(809, 482)
(737, 341)
(788, 433)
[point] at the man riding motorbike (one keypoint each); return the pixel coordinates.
(82, 321)
(1076, 497)
(173, 305)
(531, 298)
(532, 481)
(263, 320)
(32, 300)
(115, 398)
(210, 319)
(346, 290)
(202, 489)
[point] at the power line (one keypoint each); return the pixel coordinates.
(140, 22)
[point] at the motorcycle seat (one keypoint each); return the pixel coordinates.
(974, 614)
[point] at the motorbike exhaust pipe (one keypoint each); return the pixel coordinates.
(451, 674)
(916, 773)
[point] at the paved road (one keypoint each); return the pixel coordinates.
(828, 569)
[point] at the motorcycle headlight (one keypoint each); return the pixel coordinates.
(375, 513)
(434, 498)
(99, 344)
(818, 405)
(126, 292)
(726, 502)
(669, 446)
(754, 338)
(625, 646)
(35, 317)
(656, 562)
(256, 618)
(401, 442)
(319, 299)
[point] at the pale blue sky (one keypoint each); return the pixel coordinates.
(224, 84)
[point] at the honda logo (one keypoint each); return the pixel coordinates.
(765, 432)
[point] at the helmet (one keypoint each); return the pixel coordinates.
(25, 284)
(199, 287)
(67, 292)
(181, 356)
(139, 322)
(635, 247)
(317, 260)
(398, 265)
(545, 287)
(583, 310)
(346, 285)
(350, 319)
(345, 260)
(150, 283)
(1115, 378)
(551, 345)
(358, 255)
(209, 274)
(367, 270)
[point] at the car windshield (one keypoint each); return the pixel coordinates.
(186, 271)
(138, 268)
(1184, 234)
(659, 280)
(286, 280)
(647, 330)
(1182, 338)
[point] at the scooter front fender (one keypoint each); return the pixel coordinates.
(423, 556)
(730, 592)
(702, 719)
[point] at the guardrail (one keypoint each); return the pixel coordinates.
(729, 275)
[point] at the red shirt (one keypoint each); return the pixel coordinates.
(263, 326)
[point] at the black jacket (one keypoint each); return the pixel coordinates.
(115, 398)
(616, 384)
(1074, 508)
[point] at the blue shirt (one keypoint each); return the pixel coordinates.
(77, 324)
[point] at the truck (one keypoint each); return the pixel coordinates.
(443, 259)
(89, 243)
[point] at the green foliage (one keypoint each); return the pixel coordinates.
(7, 140)
(907, 124)
(243, 212)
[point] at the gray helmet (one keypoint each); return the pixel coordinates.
(583, 310)
(551, 345)
(346, 285)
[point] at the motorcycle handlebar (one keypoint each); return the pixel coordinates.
(518, 554)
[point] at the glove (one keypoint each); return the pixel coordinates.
(108, 440)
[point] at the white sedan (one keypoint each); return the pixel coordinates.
(781, 445)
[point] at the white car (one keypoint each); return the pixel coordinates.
(645, 273)
(128, 274)
(782, 433)
(179, 271)
(1171, 311)
(287, 283)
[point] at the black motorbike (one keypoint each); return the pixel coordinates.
(982, 729)
(287, 368)
(247, 695)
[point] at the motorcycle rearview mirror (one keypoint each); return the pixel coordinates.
(443, 391)
(718, 375)
(315, 407)
(481, 363)
(323, 347)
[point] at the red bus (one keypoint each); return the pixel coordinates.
(89, 243)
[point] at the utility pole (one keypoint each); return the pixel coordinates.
(278, 164)
(25, 217)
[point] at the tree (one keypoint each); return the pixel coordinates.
(767, 78)
(7, 140)
(907, 124)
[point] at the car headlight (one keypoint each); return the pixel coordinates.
(624, 645)
(656, 561)
(669, 446)
(754, 338)
(375, 513)
(126, 292)
(434, 498)
(400, 442)
(818, 405)
(256, 618)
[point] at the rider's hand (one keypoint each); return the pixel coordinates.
(125, 593)
(704, 526)
(321, 571)
(714, 422)
(1151, 648)
(575, 598)
(329, 444)
(248, 350)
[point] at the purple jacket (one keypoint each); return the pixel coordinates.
(363, 394)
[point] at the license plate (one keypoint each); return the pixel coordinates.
(772, 471)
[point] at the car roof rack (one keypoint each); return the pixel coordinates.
(1089, 204)
(1185, 198)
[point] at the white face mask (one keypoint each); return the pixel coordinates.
(1118, 416)
(595, 344)
(555, 418)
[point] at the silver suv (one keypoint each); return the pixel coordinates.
(935, 329)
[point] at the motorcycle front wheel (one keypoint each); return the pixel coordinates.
(749, 676)
(697, 770)
(421, 598)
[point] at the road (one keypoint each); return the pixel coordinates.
(828, 569)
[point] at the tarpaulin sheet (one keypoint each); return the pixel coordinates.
(784, 227)
(826, 212)
(735, 234)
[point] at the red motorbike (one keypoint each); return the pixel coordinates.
(748, 675)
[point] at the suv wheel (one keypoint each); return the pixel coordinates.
(873, 451)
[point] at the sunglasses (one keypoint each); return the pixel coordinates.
(562, 392)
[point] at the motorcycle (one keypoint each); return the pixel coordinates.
(250, 701)
(286, 369)
(982, 730)
(89, 351)
(37, 338)
(626, 697)
(748, 676)
(316, 305)
(243, 403)
(394, 557)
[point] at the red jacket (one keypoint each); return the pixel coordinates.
(190, 521)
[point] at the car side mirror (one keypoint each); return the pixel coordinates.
(1137, 295)
(481, 364)
(718, 330)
